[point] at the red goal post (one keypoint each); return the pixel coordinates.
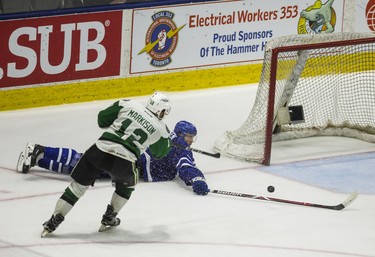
(311, 85)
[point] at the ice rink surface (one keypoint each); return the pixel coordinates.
(166, 219)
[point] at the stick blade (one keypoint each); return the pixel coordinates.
(350, 199)
(347, 202)
(216, 155)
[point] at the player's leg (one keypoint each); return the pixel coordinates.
(84, 175)
(63, 206)
(125, 177)
(59, 159)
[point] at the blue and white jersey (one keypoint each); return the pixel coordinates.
(178, 163)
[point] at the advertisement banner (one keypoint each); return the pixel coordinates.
(216, 33)
(365, 16)
(60, 48)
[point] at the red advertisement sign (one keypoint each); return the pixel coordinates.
(61, 48)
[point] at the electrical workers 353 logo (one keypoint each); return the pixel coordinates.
(161, 38)
(318, 18)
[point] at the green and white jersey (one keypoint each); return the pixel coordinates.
(131, 129)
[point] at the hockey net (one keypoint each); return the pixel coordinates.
(311, 85)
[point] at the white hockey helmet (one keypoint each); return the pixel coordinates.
(159, 105)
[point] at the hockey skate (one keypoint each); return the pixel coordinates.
(109, 219)
(20, 163)
(51, 224)
(28, 158)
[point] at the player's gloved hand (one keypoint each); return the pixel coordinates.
(200, 187)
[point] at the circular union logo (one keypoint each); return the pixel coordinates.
(161, 38)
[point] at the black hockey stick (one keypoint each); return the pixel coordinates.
(215, 155)
(340, 206)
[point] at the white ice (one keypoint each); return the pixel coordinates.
(167, 219)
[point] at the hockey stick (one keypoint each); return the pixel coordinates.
(215, 155)
(340, 206)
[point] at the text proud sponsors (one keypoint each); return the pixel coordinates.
(243, 36)
(255, 42)
(62, 48)
(242, 16)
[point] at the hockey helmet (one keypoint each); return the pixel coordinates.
(159, 105)
(184, 127)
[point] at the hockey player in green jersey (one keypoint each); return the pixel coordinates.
(131, 128)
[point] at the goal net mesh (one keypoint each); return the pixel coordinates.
(332, 76)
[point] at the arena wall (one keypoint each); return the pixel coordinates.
(113, 53)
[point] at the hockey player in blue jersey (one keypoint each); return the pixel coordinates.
(178, 163)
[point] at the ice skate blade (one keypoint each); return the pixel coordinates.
(105, 228)
(45, 232)
(20, 162)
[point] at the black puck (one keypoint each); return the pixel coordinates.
(270, 189)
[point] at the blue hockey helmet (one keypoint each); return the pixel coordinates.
(184, 127)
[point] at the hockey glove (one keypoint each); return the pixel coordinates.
(200, 187)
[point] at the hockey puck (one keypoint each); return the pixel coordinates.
(270, 189)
